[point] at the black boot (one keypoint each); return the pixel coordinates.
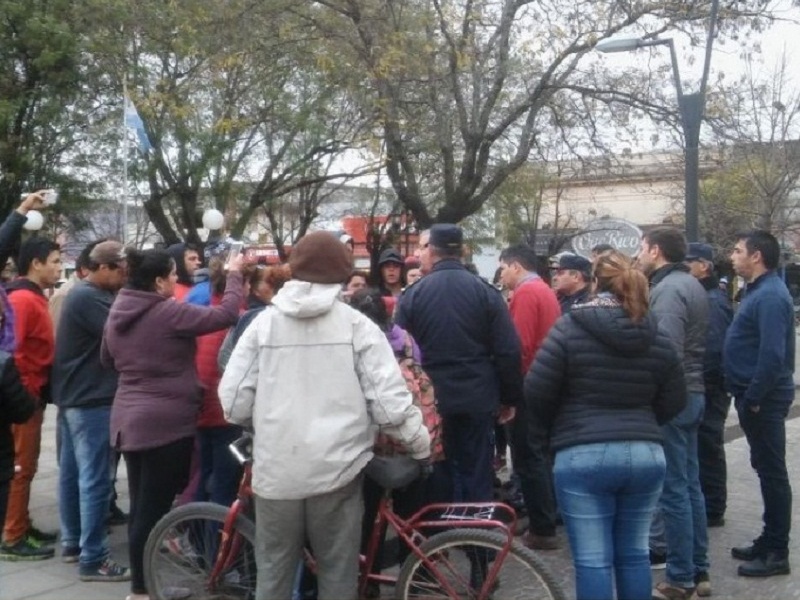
(750, 552)
(767, 565)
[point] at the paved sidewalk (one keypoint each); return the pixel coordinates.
(54, 580)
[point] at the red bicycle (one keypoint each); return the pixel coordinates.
(205, 551)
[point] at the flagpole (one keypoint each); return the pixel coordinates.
(124, 233)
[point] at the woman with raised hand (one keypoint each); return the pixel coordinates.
(150, 340)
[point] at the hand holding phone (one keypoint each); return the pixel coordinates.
(50, 197)
(235, 256)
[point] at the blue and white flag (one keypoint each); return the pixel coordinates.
(134, 121)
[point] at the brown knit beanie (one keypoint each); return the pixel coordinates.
(319, 257)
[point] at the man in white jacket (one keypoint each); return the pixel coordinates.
(314, 378)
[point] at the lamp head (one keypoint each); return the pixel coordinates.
(213, 219)
(620, 44)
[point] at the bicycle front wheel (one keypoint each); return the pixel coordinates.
(181, 553)
(462, 559)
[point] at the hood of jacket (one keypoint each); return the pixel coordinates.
(177, 251)
(23, 283)
(306, 300)
(130, 306)
(605, 319)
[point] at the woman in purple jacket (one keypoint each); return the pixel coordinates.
(150, 340)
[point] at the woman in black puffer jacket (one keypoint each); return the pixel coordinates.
(603, 382)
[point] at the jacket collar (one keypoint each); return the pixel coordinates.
(758, 281)
(448, 264)
(710, 283)
(23, 283)
(659, 274)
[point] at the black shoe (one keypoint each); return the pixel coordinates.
(70, 554)
(43, 538)
(765, 566)
(658, 560)
(25, 550)
(750, 552)
(715, 521)
(116, 516)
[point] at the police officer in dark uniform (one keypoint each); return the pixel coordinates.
(470, 350)
(571, 277)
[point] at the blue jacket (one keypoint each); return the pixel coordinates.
(200, 294)
(759, 347)
(469, 346)
(720, 315)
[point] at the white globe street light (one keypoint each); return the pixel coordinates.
(213, 219)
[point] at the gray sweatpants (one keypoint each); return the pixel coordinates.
(332, 524)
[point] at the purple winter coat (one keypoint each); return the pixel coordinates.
(397, 339)
(150, 341)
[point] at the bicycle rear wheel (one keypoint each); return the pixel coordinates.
(464, 558)
(182, 549)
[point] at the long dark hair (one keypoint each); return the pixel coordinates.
(370, 302)
(145, 266)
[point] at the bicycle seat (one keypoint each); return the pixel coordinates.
(392, 472)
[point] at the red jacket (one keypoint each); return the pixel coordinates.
(181, 291)
(208, 373)
(534, 308)
(33, 330)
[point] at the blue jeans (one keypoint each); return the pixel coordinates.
(607, 493)
(682, 504)
(766, 436)
(84, 481)
(220, 472)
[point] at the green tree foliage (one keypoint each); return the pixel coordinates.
(462, 90)
(233, 105)
(46, 97)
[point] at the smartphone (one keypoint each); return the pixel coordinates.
(50, 197)
(235, 251)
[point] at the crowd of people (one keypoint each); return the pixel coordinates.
(609, 378)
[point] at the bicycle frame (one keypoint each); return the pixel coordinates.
(441, 516)
(480, 515)
(230, 543)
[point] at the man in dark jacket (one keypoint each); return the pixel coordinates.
(471, 352)
(679, 303)
(84, 390)
(711, 435)
(759, 365)
(187, 261)
(390, 268)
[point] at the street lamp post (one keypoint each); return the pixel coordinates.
(690, 108)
